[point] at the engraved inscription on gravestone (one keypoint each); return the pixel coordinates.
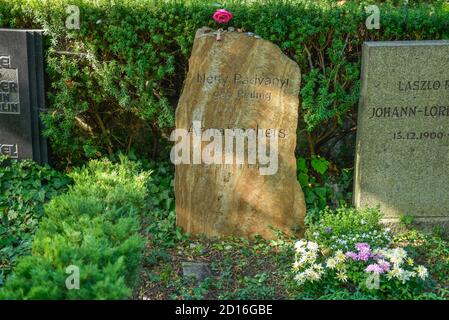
(9, 88)
(22, 95)
(237, 117)
(402, 158)
(10, 150)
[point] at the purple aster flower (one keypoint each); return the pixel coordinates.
(351, 255)
(328, 229)
(375, 268)
(384, 265)
(377, 256)
(364, 255)
(362, 246)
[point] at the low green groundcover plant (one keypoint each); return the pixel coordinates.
(350, 254)
(94, 227)
(24, 188)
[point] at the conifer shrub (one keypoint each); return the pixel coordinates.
(24, 189)
(94, 227)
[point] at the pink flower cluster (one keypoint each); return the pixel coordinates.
(380, 267)
(364, 253)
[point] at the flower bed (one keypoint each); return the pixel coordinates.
(392, 263)
(334, 260)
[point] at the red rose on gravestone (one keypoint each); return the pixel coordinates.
(222, 16)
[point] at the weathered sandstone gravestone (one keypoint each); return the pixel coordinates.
(402, 160)
(22, 95)
(244, 89)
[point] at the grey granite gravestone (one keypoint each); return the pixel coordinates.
(402, 152)
(22, 95)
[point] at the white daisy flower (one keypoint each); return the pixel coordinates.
(331, 263)
(422, 272)
(312, 246)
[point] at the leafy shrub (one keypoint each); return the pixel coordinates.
(95, 227)
(321, 187)
(24, 188)
(342, 228)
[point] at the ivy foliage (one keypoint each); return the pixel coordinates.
(24, 189)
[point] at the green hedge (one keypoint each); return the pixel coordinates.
(116, 81)
(95, 227)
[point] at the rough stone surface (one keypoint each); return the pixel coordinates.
(402, 156)
(232, 199)
(197, 270)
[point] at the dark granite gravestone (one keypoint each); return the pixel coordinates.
(22, 95)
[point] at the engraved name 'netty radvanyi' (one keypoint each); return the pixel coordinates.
(408, 112)
(239, 79)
